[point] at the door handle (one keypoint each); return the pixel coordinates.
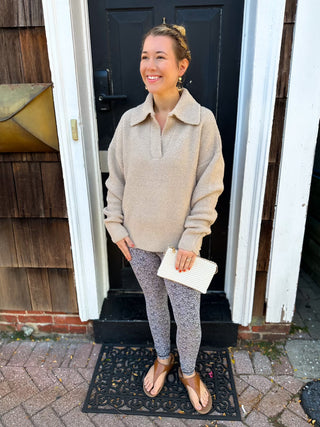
(103, 89)
(103, 97)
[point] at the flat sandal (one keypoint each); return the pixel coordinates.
(194, 383)
(158, 369)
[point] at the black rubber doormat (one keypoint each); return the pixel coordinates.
(116, 385)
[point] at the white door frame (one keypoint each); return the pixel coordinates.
(68, 38)
(298, 149)
(261, 43)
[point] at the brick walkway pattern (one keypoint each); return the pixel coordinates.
(45, 384)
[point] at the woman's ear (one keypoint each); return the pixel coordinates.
(183, 66)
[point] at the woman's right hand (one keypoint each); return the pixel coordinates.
(124, 246)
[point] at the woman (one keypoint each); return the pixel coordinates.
(166, 174)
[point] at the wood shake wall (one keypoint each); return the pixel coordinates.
(274, 160)
(36, 271)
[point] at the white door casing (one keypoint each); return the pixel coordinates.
(298, 148)
(68, 38)
(261, 43)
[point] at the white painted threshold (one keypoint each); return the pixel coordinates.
(298, 148)
(68, 37)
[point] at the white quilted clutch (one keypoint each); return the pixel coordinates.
(199, 277)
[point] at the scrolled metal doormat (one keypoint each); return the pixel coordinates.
(116, 385)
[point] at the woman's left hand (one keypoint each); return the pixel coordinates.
(185, 260)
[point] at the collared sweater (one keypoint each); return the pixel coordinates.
(163, 187)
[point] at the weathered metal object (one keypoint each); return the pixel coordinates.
(27, 118)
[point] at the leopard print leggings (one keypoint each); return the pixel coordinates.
(185, 304)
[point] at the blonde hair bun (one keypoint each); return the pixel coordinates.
(181, 29)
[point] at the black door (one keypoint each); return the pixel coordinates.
(214, 31)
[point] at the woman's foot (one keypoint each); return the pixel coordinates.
(198, 393)
(197, 403)
(156, 376)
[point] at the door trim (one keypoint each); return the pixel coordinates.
(296, 165)
(261, 43)
(68, 38)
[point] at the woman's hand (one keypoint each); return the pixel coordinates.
(185, 260)
(124, 246)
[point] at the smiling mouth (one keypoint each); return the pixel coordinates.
(153, 78)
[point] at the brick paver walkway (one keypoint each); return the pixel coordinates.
(45, 383)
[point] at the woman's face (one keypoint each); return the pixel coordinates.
(159, 67)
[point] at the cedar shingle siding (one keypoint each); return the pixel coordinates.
(36, 271)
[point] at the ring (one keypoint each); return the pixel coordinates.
(189, 259)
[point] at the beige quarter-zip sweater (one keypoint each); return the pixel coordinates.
(163, 187)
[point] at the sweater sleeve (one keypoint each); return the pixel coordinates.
(115, 185)
(208, 187)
